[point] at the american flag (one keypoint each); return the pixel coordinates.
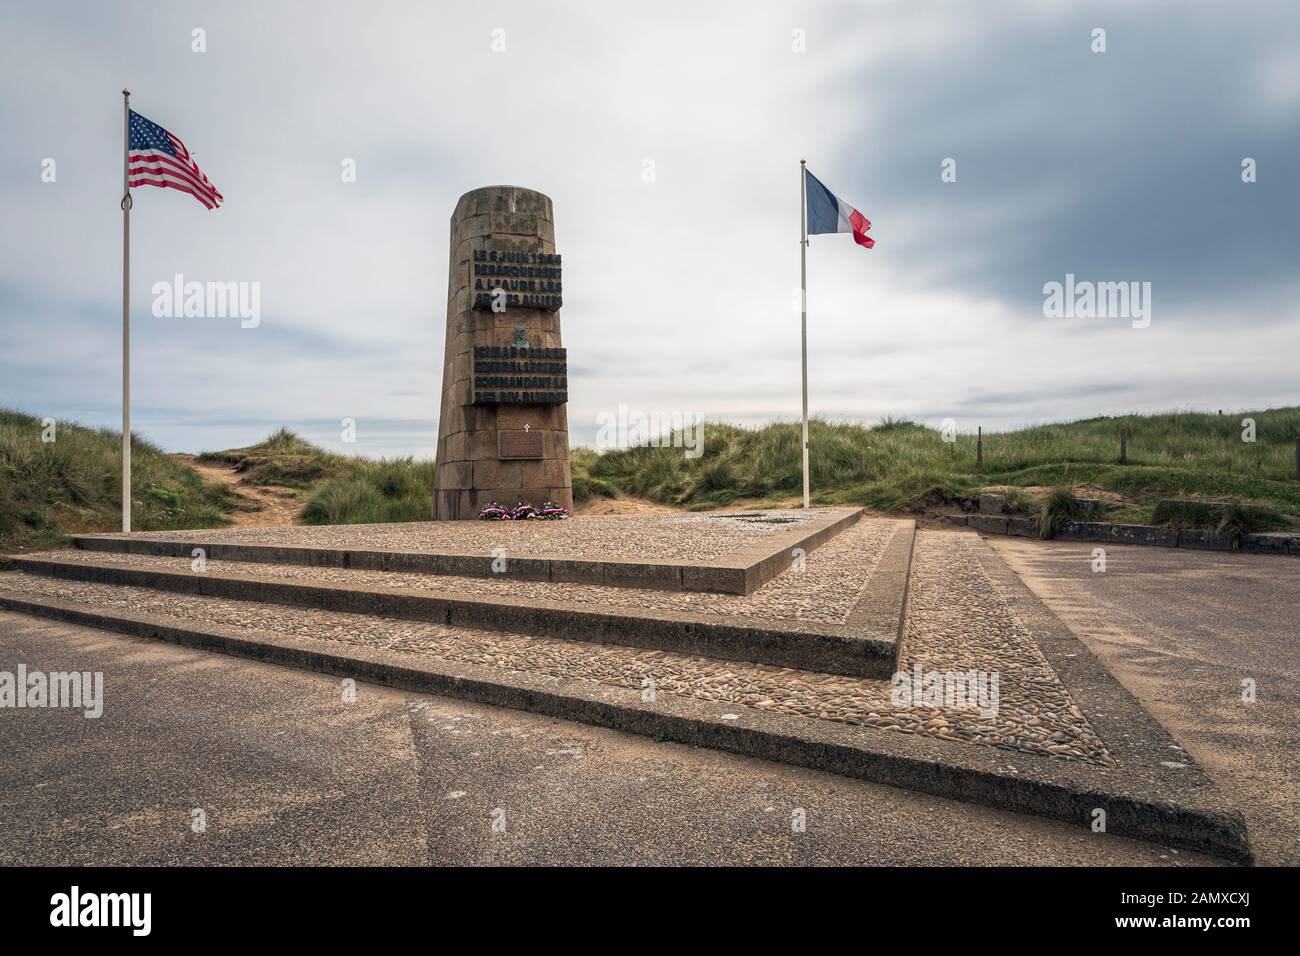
(156, 157)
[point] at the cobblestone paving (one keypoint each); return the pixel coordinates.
(824, 594)
(651, 537)
(956, 621)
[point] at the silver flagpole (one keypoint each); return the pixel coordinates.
(803, 304)
(126, 311)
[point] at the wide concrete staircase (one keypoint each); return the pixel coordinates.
(721, 612)
(781, 649)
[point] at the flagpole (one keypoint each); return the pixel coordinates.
(803, 305)
(126, 311)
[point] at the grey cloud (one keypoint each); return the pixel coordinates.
(1113, 166)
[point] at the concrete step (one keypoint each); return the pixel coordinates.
(784, 625)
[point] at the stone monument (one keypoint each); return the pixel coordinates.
(503, 433)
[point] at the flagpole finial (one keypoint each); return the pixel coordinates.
(803, 162)
(126, 92)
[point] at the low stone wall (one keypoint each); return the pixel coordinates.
(1270, 542)
(999, 524)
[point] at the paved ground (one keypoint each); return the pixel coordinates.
(825, 593)
(956, 622)
(288, 773)
(1182, 629)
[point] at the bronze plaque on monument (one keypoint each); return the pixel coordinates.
(520, 445)
(520, 279)
(518, 374)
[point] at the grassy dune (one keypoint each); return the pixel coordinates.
(74, 484)
(342, 490)
(900, 465)
(282, 458)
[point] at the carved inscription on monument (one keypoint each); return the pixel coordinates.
(505, 374)
(515, 279)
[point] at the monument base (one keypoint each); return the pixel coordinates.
(505, 454)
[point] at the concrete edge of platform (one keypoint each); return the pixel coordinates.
(1183, 810)
(881, 611)
(849, 654)
(741, 572)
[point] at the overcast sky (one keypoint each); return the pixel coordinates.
(681, 292)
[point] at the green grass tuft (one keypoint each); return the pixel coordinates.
(1059, 505)
(372, 492)
(585, 485)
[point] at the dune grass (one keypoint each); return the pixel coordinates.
(902, 466)
(49, 489)
(371, 492)
(585, 486)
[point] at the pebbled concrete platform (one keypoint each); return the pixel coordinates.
(725, 553)
(1033, 712)
(763, 628)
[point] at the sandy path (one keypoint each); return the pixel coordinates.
(256, 506)
(622, 505)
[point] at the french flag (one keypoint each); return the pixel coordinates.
(828, 213)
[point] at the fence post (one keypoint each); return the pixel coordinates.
(1297, 459)
(1123, 447)
(862, 464)
(979, 448)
